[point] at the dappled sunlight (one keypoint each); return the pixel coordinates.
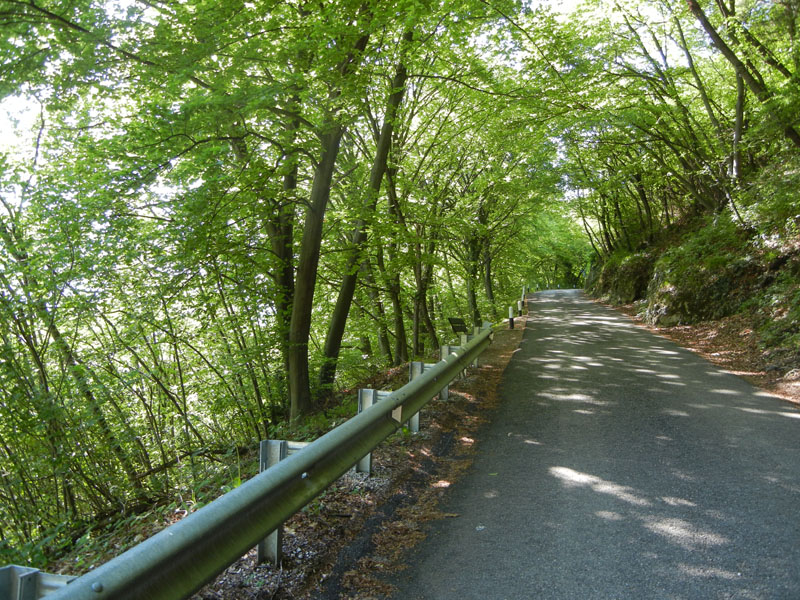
(683, 533)
(708, 572)
(674, 413)
(579, 398)
(609, 515)
(524, 438)
(572, 478)
(760, 411)
(675, 530)
(682, 475)
(677, 501)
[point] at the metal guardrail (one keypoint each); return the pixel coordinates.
(27, 583)
(183, 557)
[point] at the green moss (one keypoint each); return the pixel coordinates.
(708, 276)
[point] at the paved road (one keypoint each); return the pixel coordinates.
(620, 466)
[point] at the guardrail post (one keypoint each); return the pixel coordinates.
(18, 583)
(415, 369)
(366, 398)
(448, 349)
(465, 339)
(271, 452)
(511, 317)
(519, 308)
(28, 583)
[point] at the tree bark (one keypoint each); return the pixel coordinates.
(384, 347)
(753, 79)
(333, 340)
(300, 400)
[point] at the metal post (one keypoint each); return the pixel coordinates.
(415, 369)
(476, 332)
(366, 398)
(18, 583)
(271, 452)
(511, 317)
(448, 349)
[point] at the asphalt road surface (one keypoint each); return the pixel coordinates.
(619, 466)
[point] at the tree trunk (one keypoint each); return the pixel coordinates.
(333, 340)
(393, 280)
(300, 401)
(384, 347)
(488, 284)
(637, 178)
(753, 79)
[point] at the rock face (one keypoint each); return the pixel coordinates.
(626, 280)
(680, 294)
(710, 269)
(709, 275)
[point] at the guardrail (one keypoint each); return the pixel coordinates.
(180, 559)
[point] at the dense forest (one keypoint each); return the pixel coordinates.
(214, 215)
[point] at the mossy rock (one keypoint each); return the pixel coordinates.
(632, 278)
(683, 292)
(623, 279)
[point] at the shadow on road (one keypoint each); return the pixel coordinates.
(620, 466)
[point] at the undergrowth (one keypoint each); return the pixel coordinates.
(710, 268)
(75, 552)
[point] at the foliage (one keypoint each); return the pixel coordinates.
(214, 216)
(707, 276)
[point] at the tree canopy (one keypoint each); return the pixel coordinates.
(215, 214)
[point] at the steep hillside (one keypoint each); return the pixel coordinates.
(712, 270)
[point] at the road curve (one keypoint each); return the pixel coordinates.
(619, 466)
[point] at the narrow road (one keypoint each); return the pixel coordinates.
(619, 466)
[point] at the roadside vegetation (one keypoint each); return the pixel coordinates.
(217, 219)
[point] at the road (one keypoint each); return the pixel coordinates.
(619, 466)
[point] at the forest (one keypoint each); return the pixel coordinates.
(216, 216)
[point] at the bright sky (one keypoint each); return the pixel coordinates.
(562, 6)
(17, 139)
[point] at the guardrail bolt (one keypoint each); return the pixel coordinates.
(97, 587)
